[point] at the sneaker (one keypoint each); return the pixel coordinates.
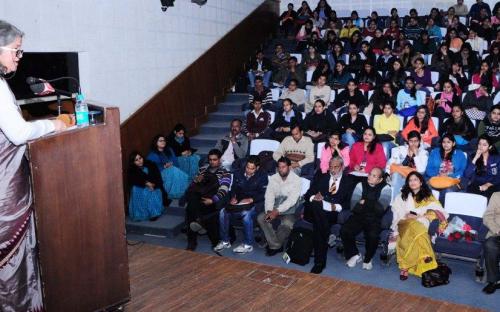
(353, 261)
(332, 240)
(196, 227)
(367, 266)
(243, 248)
(222, 245)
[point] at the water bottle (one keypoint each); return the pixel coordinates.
(81, 111)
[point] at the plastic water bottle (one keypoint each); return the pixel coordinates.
(81, 111)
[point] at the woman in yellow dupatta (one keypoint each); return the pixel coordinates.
(413, 210)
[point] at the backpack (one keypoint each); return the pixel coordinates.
(267, 163)
(300, 245)
(436, 277)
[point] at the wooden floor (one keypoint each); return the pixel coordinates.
(166, 279)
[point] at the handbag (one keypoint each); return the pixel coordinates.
(402, 170)
(443, 182)
(300, 245)
(436, 277)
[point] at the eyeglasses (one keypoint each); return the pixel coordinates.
(19, 53)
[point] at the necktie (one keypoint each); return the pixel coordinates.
(333, 188)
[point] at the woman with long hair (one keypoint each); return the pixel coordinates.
(175, 181)
(336, 54)
(468, 59)
(485, 77)
(340, 76)
(385, 92)
(423, 124)
(446, 166)
(180, 144)
(460, 126)
(482, 175)
(366, 154)
(352, 124)
(413, 210)
(368, 77)
(319, 122)
(409, 99)
(145, 184)
(396, 74)
(445, 100)
(333, 147)
(351, 94)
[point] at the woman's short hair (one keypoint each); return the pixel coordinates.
(8, 33)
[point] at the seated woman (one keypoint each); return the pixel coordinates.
(423, 124)
(405, 159)
(485, 77)
(366, 154)
(357, 60)
(145, 189)
(384, 93)
(348, 30)
(336, 54)
(189, 162)
(319, 122)
(285, 118)
(413, 210)
(175, 181)
(422, 75)
(446, 167)
(477, 103)
(350, 95)
(458, 77)
(311, 59)
(460, 126)
(387, 126)
(352, 125)
(445, 100)
(441, 60)
(368, 77)
(353, 44)
(490, 126)
(409, 99)
(340, 76)
(396, 74)
(482, 174)
(333, 147)
(305, 34)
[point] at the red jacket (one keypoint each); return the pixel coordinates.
(377, 159)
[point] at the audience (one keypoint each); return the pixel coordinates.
(334, 147)
(294, 93)
(321, 91)
(261, 92)
(409, 99)
(352, 125)
(319, 122)
(423, 124)
(257, 121)
(285, 118)
(247, 193)
(233, 146)
(299, 150)
(292, 72)
(326, 197)
(146, 186)
(445, 100)
(350, 95)
(387, 127)
(189, 162)
(369, 202)
(260, 66)
(206, 196)
(460, 126)
(175, 181)
(366, 154)
(280, 202)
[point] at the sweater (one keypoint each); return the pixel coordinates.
(324, 122)
(458, 161)
(405, 97)
(240, 148)
(384, 124)
(318, 93)
(344, 97)
(491, 217)
(304, 147)
(399, 153)
(257, 123)
(426, 137)
(266, 96)
(280, 120)
(224, 178)
(375, 159)
(490, 174)
(283, 195)
(137, 177)
(326, 155)
(465, 128)
(249, 187)
(491, 129)
(359, 125)
(298, 96)
(482, 103)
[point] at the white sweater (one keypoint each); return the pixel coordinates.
(399, 153)
(289, 189)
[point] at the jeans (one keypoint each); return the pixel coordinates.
(276, 239)
(387, 148)
(350, 138)
(397, 182)
(246, 215)
(266, 78)
(492, 257)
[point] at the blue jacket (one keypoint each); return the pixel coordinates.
(160, 159)
(254, 187)
(457, 159)
(491, 175)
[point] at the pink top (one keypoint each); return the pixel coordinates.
(326, 155)
(357, 154)
(476, 79)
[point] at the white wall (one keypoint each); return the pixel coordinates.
(383, 7)
(129, 49)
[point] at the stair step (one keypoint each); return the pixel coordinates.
(208, 139)
(167, 225)
(237, 96)
(224, 116)
(220, 127)
(230, 107)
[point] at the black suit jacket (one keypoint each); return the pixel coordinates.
(320, 184)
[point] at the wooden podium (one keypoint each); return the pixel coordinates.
(79, 210)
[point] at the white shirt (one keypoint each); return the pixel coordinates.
(228, 156)
(12, 123)
(326, 205)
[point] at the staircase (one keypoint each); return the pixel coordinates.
(171, 222)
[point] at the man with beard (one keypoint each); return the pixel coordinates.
(281, 200)
(233, 146)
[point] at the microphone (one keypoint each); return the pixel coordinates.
(45, 88)
(33, 80)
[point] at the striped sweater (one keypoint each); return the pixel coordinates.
(224, 178)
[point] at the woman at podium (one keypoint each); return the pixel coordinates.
(20, 286)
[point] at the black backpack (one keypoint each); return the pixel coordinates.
(436, 277)
(300, 245)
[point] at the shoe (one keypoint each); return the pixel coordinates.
(332, 240)
(403, 275)
(367, 266)
(191, 246)
(353, 261)
(490, 288)
(222, 245)
(243, 248)
(271, 252)
(153, 219)
(196, 227)
(317, 268)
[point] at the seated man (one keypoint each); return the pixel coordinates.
(491, 220)
(262, 92)
(205, 197)
(293, 71)
(327, 196)
(368, 205)
(281, 200)
(299, 149)
(260, 66)
(247, 192)
(233, 146)
(257, 121)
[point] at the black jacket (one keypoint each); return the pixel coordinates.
(321, 183)
(266, 64)
(279, 120)
(359, 125)
(177, 147)
(324, 122)
(137, 177)
(344, 97)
